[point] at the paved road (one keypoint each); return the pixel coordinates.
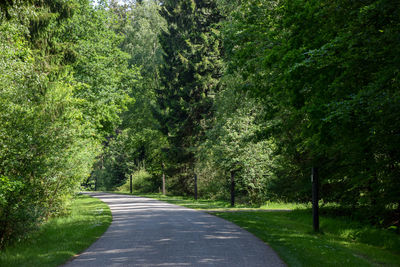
(147, 232)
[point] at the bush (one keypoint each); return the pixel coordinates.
(18, 212)
(142, 182)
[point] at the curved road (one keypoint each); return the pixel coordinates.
(148, 232)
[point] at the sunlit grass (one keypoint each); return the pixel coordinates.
(207, 204)
(270, 205)
(61, 238)
(341, 242)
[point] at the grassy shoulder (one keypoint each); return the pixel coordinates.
(217, 205)
(341, 241)
(61, 238)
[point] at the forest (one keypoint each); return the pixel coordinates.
(93, 93)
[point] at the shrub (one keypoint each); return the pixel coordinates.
(18, 212)
(142, 182)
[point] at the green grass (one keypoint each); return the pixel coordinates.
(61, 238)
(206, 204)
(282, 205)
(342, 242)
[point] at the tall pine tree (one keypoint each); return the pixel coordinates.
(189, 78)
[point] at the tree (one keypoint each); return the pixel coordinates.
(138, 142)
(47, 148)
(62, 88)
(101, 68)
(333, 82)
(233, 145)
(189, 79)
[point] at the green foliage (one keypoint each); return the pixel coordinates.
(6, 188)
(141, 31)
(17, 214)
(61, 238)
(233, 145)
(61, 92)
(142, 182)
(333, 84)
(45, 145)
(126, 153)
(138, 142)
(100, 67)
(189, 78)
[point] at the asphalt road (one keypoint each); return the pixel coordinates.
(147, 232)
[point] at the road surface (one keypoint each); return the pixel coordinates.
(148, 232)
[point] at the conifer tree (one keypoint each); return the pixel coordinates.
(189, 78)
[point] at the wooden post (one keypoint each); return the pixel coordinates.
(101, 168)
(232, 188)
(195, 186)
(130, 183)
(163, 184)
(315, 198)
(163, 179)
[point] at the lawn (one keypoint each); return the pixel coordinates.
(61, 238)
(217, 205)
(341, 242)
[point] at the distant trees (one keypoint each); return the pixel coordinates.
(100, 67)
(233, 146)
(137, 143)
(176, 46)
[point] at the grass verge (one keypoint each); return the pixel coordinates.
(216, 205)
(61, 238)
(341, 242)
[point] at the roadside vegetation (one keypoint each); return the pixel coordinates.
(61, 238)
(64, 83)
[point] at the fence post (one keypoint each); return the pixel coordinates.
(130, 183)
(163, 179)
(232, 188)
(195, 186)
(315, 198)
(163, 183)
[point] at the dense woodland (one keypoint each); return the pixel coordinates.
(93, 93)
